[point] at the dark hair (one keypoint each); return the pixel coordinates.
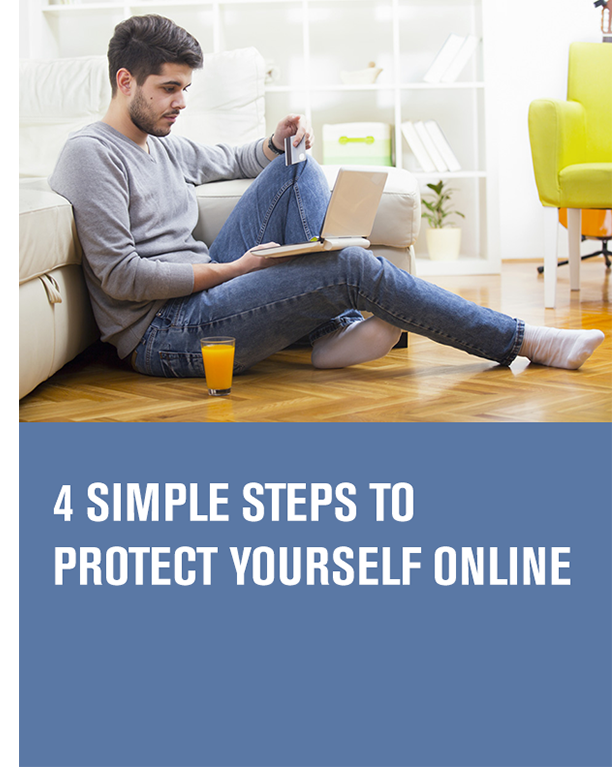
(143, 44)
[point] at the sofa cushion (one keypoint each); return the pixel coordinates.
(225, 103)
(56, 98)
(215, 202)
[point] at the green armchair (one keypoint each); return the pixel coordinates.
(571, 147)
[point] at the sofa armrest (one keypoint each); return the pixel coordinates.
(557, 133)
(47, 233)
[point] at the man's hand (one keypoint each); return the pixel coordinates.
(251, 262)
(292, 125)
(211, 274)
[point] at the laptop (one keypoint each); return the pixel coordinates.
(349, 218)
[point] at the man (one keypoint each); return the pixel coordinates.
(156, 291)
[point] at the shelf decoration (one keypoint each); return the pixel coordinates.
(357, 144)
(417, 147)
(273, 72)
(441, 143)
(443, 239)
(361, 76)
(451, 59)
(430, 146)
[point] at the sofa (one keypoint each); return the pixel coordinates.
(226, 104)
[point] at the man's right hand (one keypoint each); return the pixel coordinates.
(252, 262)
(211, 274)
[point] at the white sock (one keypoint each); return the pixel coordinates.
(358, 342)
(559, 348)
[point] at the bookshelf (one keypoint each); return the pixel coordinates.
(320, 38)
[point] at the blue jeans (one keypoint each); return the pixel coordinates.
(311, 295)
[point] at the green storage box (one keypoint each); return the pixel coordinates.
(358, 144)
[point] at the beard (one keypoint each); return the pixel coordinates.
(144, 118)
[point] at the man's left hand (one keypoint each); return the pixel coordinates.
(293, 125)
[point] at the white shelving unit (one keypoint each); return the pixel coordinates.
(319, 39)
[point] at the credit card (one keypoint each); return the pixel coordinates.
(294, 154)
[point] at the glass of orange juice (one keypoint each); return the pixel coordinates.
(218, 356)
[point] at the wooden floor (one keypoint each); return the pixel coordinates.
(425, 382)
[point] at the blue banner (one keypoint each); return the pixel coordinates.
(325, 595)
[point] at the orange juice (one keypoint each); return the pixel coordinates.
(218, 357)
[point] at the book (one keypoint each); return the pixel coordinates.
(444, 58)
(463, 55)
(432, 151)
(439, 139)
(417, 148)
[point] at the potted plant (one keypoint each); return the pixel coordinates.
(443, 240)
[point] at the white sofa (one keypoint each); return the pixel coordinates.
(226, 104)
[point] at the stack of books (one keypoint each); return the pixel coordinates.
(451, 59)
(430, 146)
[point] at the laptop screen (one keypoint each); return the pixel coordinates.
(354, 202)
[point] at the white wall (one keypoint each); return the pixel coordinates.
(24, 37)
(527, 47)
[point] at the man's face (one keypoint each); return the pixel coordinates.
(156, 103)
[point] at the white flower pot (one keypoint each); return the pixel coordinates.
(444, 244)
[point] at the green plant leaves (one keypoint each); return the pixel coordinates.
(436, 207)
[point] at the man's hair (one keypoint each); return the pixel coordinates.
(143, 44)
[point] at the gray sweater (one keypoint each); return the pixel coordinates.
(135, 213)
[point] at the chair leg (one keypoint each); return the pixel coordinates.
(574, 231)
(606, 253)
(551, 230)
